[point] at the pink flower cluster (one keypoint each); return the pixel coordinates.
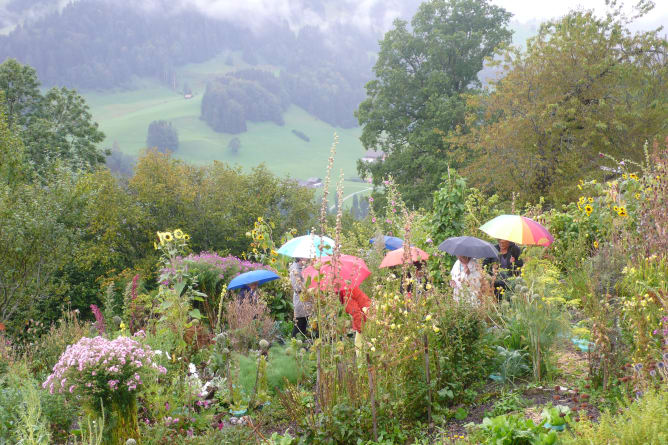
(229, 266)
(95, 365)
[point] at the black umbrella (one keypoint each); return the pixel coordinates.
(469, 246)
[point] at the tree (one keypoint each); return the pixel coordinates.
(53, 126)
(217, 203)
(163, 136)
(421, 73)
(21, 92)
(585, 86)
(355, 208)
(234, 145)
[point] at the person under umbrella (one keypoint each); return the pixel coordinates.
(467, 274)
(466, 280)
(302, 309)
(355, 302)
(507, 265)
(343, 275)
(249, 291)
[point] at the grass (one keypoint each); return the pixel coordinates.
(280, 367)
(124, 116)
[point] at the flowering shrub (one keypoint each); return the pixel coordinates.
(227, 267)
(96, 368)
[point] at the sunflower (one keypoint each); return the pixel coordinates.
(178, 234)
(633, 176)
(589, 209)
(622, 211)
(624, 176)
(260, 219)
(274, 253)
(615, 208)
(637, 195)
(595, 244)
(582, 199)
(590, 199)
(260, 237)
(273, 260)
(186, 236)
(168, 236)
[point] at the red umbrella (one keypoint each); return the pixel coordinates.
(348, 273)
(396, 257)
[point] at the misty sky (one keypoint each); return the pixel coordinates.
(366, 14)
(529, 10)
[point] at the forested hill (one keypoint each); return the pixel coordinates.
(100, 44)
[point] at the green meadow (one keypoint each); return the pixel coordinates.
(124, 116)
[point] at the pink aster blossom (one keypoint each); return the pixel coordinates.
(98, 365)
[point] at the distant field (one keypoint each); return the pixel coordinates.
(124, 117)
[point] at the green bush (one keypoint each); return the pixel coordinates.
(49, 347)
(512, 429)
(644, 422)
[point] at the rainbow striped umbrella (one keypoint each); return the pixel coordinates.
(518, 229)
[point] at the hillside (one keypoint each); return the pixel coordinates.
(124, 116)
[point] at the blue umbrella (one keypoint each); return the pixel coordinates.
(308, 246)
(391, 242)
(254, 276)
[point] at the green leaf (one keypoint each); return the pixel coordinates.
(179, 288)
(446, 392)
(195, 313)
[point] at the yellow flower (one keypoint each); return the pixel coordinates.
(637, 195)
(178, 234)
(588, 209)
(274, 253)
(122, 326)
(582, 199)
(615, 208)
(260, 219)
(155, 245)
(248, 234)
(624, 176)
(435, 328)
(186, 236)
(168, 236)
(428, 317)
(595, 244)
(579, 187)
(633, 176)
(590, 199)
(428, 286)
(622, 211)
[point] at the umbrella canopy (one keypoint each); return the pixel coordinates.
(469, 246)
(308, 246)
(254, 276)
(396, 257)
(391, 242)
(518, 229)
(347, 274)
